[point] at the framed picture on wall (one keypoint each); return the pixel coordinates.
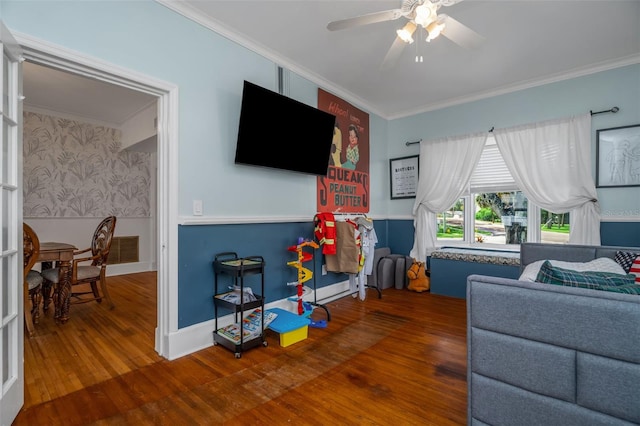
(618, 157)
(403, 172)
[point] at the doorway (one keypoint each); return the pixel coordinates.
(166, 162)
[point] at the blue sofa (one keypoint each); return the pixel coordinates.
(543, 354)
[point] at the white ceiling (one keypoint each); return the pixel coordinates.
(59, 91)
(527, 43)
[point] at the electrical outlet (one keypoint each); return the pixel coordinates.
(324, 269)
(197, 207)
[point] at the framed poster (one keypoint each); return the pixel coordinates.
(403, 172)
(618, 157)
(345, 188)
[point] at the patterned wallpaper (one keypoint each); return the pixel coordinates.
(74, 169)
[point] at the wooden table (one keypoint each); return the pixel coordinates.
(63, 254)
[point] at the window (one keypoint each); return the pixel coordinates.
(498, 213)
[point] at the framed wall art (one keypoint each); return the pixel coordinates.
(618, 157)
(404, 176)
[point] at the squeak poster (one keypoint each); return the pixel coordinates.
(345, 189)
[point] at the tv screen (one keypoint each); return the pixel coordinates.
(279, 132)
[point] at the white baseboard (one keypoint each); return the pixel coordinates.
(200, 336)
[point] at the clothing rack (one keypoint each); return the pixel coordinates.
(370, 286)
(315, 296)
(348, 216)
(612, 110)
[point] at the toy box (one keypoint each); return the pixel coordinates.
(291, 327)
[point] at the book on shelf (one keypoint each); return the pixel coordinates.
(234, 296)
(251, 325)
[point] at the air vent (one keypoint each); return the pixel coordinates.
(124, 250)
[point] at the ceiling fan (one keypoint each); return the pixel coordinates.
(420, 14)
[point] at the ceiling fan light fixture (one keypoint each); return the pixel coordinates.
(425, 13)
(406, 32)
(434, 29)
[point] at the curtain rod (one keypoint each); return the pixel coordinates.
(613, 110)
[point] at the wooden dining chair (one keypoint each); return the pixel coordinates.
(83, 275)
(32, 279)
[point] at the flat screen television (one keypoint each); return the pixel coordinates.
(278, 132)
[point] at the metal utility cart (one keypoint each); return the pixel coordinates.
(229, 264)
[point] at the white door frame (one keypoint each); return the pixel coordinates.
(43, 53)
(11, 269)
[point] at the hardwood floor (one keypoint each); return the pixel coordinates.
(399, 360)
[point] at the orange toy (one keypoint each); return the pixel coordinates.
(418, 280)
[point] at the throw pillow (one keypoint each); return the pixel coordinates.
(625, 259)
(601, 264)
(588, 279)
(635, 269)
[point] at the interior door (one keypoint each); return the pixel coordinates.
(11, 276)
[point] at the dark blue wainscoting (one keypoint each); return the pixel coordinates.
(198, 245)
(626, 234)
(449, 277)
(401, 235)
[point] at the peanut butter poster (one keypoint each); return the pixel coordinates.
(345, 189)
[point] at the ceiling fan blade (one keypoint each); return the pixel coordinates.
(460, 34)
(370, 18)
(393, 54)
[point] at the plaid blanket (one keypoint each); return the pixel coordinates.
(595, 280)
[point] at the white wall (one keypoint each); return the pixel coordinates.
(79, 232)
(140, 127)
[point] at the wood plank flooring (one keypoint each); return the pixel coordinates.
(398, 360)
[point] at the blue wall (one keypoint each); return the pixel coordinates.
(198, 245)
(625, 234)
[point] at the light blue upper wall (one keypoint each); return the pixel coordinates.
(209, 70)
(148, 38)
(595, 92)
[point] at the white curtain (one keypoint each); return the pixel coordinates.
(551, 163)
(446, 165)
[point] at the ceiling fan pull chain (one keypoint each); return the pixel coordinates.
(419, 58)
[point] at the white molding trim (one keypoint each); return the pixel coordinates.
(620, 218)
(195, 15)
(199, 336)
(48, 54)
(45, 111)
(221, 220)
(235, 220)
(189, 12)
(578, 72)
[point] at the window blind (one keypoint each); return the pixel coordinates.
(491, 173)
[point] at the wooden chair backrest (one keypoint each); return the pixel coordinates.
(31, 247)
(101, 242)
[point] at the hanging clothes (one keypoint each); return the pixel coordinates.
(325, 232)
(368, 240)
(347, 249)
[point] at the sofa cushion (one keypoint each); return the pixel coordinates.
(601, 264)
(625, 259)
(550, 274)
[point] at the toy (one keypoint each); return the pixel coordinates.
(304, 274)
(418, 279)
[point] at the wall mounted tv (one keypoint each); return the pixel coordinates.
(279, 132)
